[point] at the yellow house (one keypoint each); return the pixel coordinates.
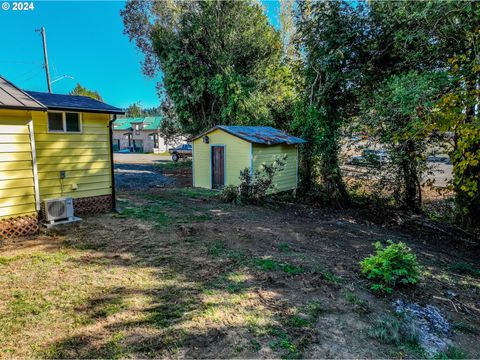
(52, 146)
(220, 153)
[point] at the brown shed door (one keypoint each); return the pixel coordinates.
(218, 167)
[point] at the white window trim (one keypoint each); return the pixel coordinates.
(64, 122)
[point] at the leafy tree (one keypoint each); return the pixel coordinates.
(423, 36)
(220, 60)
(134, 110)
(332, 40)
(307, 125)
(398, 115)
(80, 90)
(458, 111)
(288, 29)
(153, 111)
(170, 128)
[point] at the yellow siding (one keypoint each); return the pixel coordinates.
(237, 158)
(84, 157)
(264, 154)
(17, 192)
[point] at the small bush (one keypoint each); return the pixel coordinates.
(451, 353)
(392, 265)
(465, 269)
(229, 194)
(390, 330)
(254, 187)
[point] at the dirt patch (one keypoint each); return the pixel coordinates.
(143, 172)
(179, 274)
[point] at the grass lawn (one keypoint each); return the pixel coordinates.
(178, 274)
(176, 165)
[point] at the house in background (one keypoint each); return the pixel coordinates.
(52, 146)
(220, 153)
(140, 134)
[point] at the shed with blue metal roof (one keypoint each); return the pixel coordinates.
(220, 153)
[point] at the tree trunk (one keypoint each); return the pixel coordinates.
(330, 165)
(307, 180)
(412, 195)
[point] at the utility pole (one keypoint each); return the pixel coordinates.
(42, 31)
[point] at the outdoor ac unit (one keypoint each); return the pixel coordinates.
(59, 210)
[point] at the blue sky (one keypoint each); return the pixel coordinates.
(85, 40)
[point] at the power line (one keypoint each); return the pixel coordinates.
(20, 62)
(34, 76)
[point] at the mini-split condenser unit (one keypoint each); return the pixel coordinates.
(59, 211)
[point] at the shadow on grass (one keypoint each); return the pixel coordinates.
(202, 305)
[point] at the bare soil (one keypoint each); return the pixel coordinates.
(179, 274)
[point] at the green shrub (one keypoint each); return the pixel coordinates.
(390, 330)
(229, 194)
(465, 269)
(392, 265)
(254, 186)
(451, 353)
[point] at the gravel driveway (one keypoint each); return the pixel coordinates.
(140, 171)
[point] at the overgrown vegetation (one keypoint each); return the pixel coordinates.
(458, 112)
(464, 268)
(254, 186)
(452, 353)
(398, 115)
(330, 36)
(392, 265)
(393, 331)
(402, 75)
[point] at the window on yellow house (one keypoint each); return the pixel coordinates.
(72, 121)
(55, 121)
(64, 122)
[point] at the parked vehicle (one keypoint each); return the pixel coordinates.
(182, 151)
(439, 159)
(370, 157)
(124, 151)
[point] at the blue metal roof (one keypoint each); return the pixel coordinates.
(73, 102)
(260, 134)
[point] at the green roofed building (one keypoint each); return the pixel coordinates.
(140, 134)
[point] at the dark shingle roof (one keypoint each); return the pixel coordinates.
(11, 97)
(258, 134)
(73, 102)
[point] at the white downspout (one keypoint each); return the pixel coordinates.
(34, 165)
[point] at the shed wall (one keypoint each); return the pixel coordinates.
(237, 158)
(265, 154)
